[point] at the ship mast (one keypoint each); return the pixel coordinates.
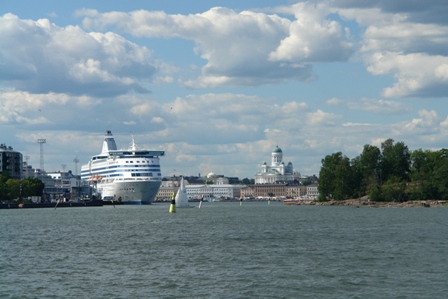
(133, 145)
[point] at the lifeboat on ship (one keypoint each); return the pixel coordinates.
(95, 178)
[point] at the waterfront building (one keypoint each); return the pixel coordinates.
(64, 179)
(209, 191)
(247, 192)
(217, 191)
(53, 188)
(11, 161)
(168, 187)
(269, 190)
(277, 172)
(62, 185)
(295, 191)
(216, 179)
(214, 191)
(282, 190)
(27, 171)
(312, 191)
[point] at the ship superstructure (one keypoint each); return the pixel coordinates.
(129, 176)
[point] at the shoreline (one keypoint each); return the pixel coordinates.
(375, 204)
(46, 205)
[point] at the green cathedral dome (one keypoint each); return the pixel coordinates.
(277, 150)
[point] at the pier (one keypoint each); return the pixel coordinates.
(94, 203)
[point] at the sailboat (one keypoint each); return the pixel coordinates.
(181, 196)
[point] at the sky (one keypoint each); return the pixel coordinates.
(219, 84)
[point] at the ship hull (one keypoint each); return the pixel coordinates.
(129, 192)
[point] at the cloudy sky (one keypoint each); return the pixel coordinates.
(218, 84)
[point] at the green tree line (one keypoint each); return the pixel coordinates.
(11, 189)
(389, 173)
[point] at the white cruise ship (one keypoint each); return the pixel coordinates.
(129, 176)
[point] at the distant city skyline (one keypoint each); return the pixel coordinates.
(218, 85)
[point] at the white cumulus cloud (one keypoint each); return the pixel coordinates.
(40, 57)
(407, 40)
(312, 38)
(371, 105)
(240, 48)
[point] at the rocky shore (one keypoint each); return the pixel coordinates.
(372, 204)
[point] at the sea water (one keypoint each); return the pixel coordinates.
(224, 250)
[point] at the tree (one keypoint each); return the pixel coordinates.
(327, 176)
(335, 177)
(343, 184)
(440, 174)
(393, 173)
(306, 182)
(32, 187)
(369, 162)
(423, 163)
(395, 161)
(13, 188)
(4, 177)
(247, 181)
(358, 188)
(375, 193)
(394, 190)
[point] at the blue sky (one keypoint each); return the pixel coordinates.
(217, 84)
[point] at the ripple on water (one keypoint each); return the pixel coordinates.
(224, 250)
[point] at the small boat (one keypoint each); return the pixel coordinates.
(181, 196)
(289, 202)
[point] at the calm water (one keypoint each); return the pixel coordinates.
(224, 250)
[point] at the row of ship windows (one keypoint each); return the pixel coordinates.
(142, 174)
(101, 159)
(150, 174)
(124, 189)
(126, 168)
(120, 175)
(113, 173)
(133, 174)
(129, 166)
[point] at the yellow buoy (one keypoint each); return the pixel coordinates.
(173, 204)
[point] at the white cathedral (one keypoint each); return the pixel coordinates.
(277, 172)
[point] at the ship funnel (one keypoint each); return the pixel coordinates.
(109, 143)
